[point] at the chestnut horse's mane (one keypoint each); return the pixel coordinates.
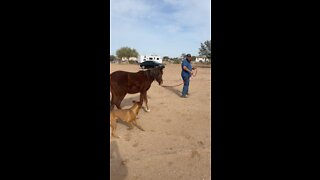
(152, 73)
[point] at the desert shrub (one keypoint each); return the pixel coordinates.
(132, 62)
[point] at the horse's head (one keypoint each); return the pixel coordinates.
(157, 74)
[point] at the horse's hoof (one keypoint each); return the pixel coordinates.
(147, 110)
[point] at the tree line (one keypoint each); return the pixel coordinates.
(127, 52)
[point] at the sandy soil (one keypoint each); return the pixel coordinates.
(176, 143)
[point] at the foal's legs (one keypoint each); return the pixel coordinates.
(141, 100)
(119, 99)
(146, 101)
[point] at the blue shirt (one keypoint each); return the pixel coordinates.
(186, 63)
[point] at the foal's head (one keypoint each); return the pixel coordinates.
(156, 73)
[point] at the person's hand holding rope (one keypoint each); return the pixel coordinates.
(192, 72)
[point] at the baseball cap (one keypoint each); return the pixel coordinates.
(188, 55)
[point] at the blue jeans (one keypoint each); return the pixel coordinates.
(185, 89)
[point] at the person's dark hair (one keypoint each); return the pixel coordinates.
(188, 55)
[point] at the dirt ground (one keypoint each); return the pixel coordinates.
(176, 143)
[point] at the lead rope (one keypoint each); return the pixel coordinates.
(194, 75)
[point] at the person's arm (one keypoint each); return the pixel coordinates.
(186, 69)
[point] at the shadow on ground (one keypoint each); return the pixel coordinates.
(128, 101)
(118, 167)
(175, 91)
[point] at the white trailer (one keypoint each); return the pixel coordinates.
(202, 59)
(150, 58)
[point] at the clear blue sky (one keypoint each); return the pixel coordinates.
(161, 27)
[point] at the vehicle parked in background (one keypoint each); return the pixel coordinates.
(150, 64)
(155, 58)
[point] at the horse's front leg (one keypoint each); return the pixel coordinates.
(119, 100)
(146, 102)
(141, 100)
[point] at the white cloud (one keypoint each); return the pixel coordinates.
(130, 8)
(176, 2)
(172, 28)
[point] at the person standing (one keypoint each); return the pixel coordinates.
(186, 73)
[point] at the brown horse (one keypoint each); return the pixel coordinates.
(122, 82)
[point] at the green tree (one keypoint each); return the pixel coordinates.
(177, 60)
(165, 58)
(205, 49)
(112, 58)
(214, 50)
(126, 52)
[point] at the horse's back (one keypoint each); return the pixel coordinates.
(118, 74)
(122, 81)
(118, 77)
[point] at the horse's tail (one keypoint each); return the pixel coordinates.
(110, 86)
(110, 81)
